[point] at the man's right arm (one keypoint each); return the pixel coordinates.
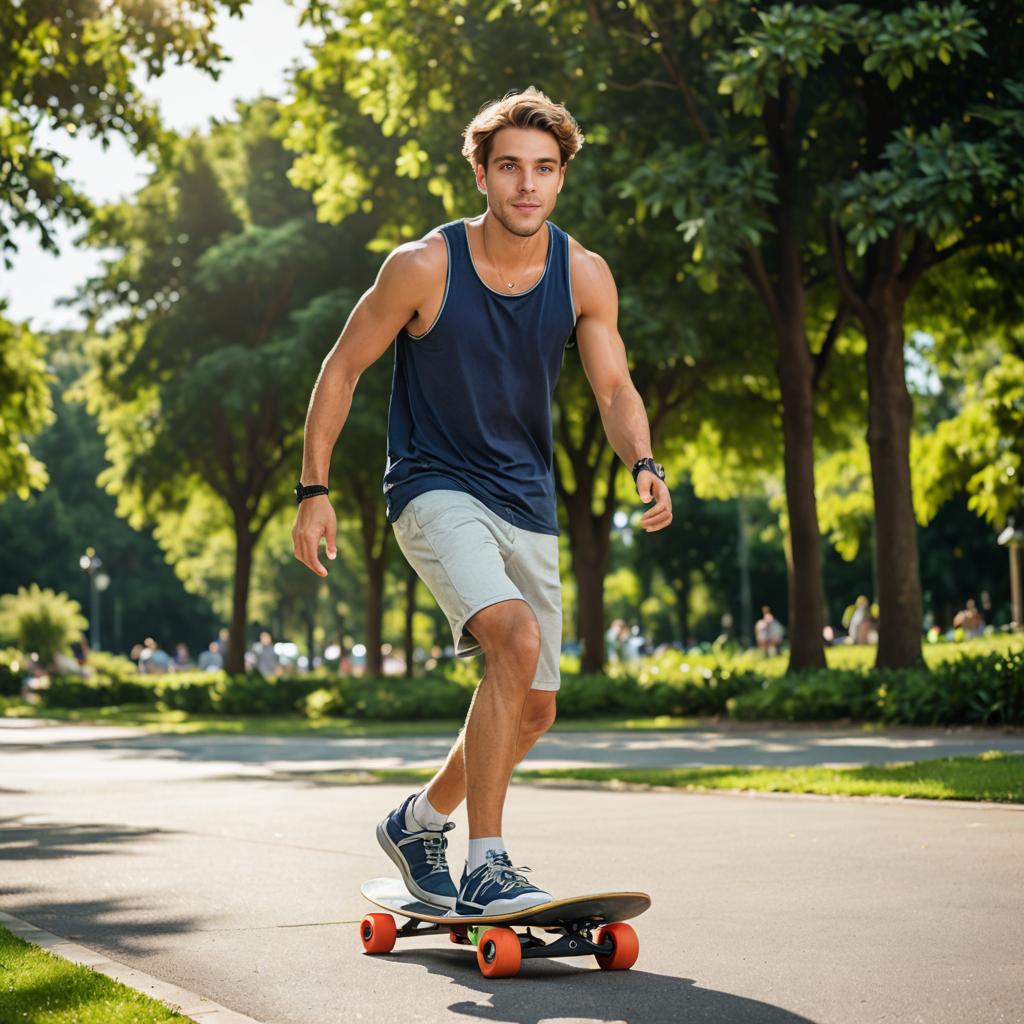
(402, 283)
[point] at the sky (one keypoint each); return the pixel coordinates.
(262, 46)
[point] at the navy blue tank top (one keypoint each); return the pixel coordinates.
(471, 396)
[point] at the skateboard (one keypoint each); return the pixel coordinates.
(500, 949)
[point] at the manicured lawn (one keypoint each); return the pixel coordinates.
(39, 988)
(145, 717)
(990, 776)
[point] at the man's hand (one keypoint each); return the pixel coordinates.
(315, 519)
(651, 487)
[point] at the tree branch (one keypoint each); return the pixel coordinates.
(837, 246)
(689, 99)
(834, 330)
(758, 276)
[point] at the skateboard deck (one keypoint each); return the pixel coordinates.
(500, 949)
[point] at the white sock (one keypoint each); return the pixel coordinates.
(423, 814)
(478, 850)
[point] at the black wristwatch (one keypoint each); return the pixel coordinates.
(301, 493)
(651, 466)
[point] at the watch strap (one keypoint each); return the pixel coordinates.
(647, 464)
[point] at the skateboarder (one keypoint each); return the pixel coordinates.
(481, 310)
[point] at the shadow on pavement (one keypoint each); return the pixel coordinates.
(111, 924)
(553, 990)
(22, 841)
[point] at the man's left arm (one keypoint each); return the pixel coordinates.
(604, 361)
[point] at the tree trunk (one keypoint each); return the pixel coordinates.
(806, 590)
(244, 544)
(683, 608)
(411, 580)
(311, 632)
(374, 616)
(374, 531)
(746, 624)
(590, 545)
(890, 414)
(590, 566)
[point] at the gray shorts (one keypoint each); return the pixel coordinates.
(470, 558)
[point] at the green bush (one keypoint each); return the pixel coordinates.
(95, 692)
(390, 698)
(40, 621)
(192, 692)
(113, 666)
(986, 690)
(252, 694)
(12, 668)
(324, 702)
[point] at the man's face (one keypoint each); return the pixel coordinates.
(522, 179)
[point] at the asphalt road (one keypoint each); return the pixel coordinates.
(197, 861)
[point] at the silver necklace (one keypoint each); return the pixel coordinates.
(501, 273)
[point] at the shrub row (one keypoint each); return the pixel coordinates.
(969, 691)
(194, 692)
(987, 690)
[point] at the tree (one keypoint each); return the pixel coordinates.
(45, 535)
(377, 68)
(200, 388)
(937, 169)
(25, 407)
(68, 66)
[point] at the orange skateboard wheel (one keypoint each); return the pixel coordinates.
(498, 953)
(378, 932)
(627, 947)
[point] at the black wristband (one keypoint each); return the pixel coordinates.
(301, 493)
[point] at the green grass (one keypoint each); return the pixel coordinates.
(39, 988)
(990, 776)
(145, 717)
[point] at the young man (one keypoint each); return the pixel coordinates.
(482, 309)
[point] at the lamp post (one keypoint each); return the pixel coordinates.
(1012, 538)
(91, 563)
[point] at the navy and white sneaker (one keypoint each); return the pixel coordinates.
(497, 888)
(419, 856)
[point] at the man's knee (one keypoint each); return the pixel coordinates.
(538, 714)
(508, 631)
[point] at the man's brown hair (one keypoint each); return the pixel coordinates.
(527, 109)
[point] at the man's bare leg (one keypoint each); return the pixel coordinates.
(448, 787)
(480, 764)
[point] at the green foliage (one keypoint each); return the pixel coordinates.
(40, 621)
(980, 449)
(76, 67)
(962, 687)
(986, 690)
(390, 699)
(96, 692)
(25, 407)
(12, 668)
(251, 694)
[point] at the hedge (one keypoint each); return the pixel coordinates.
(984, 690)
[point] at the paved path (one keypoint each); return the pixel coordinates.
(186, 859)
(641, 749)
